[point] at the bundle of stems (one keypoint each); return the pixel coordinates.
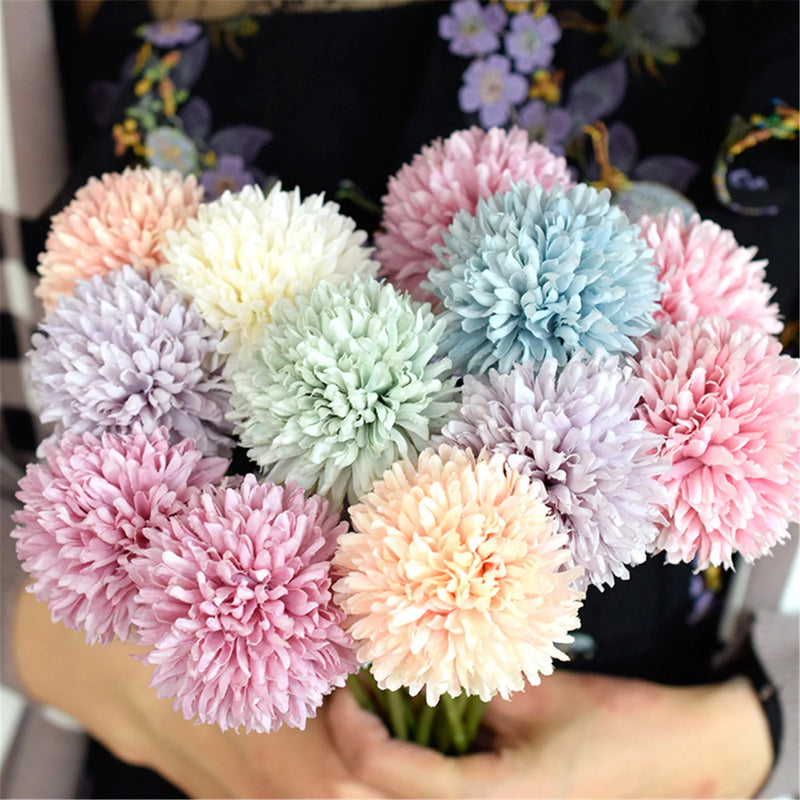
(451, 726)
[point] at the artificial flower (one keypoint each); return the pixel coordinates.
(127, 352)
(536, 275)
(246, 251)
(453, 579)
(92, 507)
(120, 218)
(705, 273)
(574, 429)
(727, 406)
(471, 28)
(447, 176)
(237, 608)
(491, 88)
(344, 382)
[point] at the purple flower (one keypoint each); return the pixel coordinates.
(171, 34)
(490, 88)
(471, 29)
(230, 174)
(530, 42)
(573, 428)
(550, 128)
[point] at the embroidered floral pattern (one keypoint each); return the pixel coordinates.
(513, 80)
(169, 127)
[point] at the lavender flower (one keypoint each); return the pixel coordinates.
(229, 174)
(471, 29)
(574, 429)
(171, 33)
(127, 353)
(548, 127)
(530, 42)
(490, 88)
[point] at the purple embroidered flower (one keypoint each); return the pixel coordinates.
(550, 128)
(230, 174)
(490, 88)
(471, 29)
(167, 148)
(530, 42)
(171, 34)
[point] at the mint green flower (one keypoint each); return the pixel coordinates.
(341, 384)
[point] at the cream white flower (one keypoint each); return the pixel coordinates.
(246, 251)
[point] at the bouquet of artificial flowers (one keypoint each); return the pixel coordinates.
(517, 394)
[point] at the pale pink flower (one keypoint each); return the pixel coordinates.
(453, 580)
(117, 219)
(445, 177)
(705, 273)
(727, 405)
(238, 608)
(94, 506)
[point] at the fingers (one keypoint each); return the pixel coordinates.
(401, 769)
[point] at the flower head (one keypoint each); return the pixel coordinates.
(125, 353)
(491, 89)
(238, 609)
(707, 274)
(244, 252)
(531, 39)
(171, 33)
(727, 405)
(120, 218)
(574, 430)
(453, 580)
(343, 383)
(536, 275)
(445, 177)
(95, 505)
(472, 29)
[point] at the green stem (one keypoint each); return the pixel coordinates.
(360, 693)
(425, 718)
(397, 717)
(453, 708)
(476, 708)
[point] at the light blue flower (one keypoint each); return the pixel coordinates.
(536, 275)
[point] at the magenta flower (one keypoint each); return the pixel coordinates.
(472, 29)
(727, 405)
(238, 608)
(530, 42)
(90, 510)
(491, 89)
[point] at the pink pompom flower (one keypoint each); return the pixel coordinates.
(727, 406)
(90, 509)
(445, 177)
(238, 608)
(119, 218)
(705, 273)
(453, 580)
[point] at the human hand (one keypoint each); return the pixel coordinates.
(107, 690)
(580, 736)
